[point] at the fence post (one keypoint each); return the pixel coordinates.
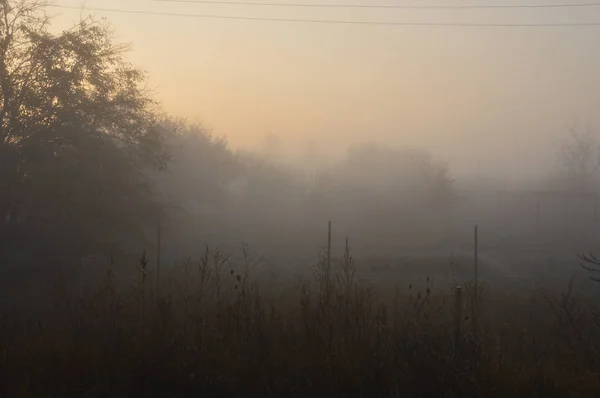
(158, 243)
(327, 275)
(595, 222)
(475, 304)
(457, 317)
(329, 246)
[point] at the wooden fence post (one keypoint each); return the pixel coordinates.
(475, 304)
(457, 317)
(329, 246)
(158, 243)
(327, 285)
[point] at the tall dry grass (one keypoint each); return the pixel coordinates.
(220, 329)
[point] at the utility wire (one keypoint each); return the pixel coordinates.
(387, 6)
(339, 22)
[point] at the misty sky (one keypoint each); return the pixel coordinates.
(474, 94)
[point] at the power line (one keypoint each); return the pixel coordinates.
(339, 22)
(386, 6)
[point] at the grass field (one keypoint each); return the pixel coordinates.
(229, 326)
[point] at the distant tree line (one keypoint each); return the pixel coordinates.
(90, 163)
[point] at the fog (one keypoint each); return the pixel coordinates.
(473, 95)
(404, 138)
(184, 183)
(391, 202)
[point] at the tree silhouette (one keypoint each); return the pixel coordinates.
(201, 169)
(591, 264)
(581, 159)
(76, 129)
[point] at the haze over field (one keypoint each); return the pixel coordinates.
(299, 199)
(473, 95)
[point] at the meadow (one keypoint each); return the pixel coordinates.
(223, 325)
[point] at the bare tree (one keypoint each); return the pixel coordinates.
(581, 158)
(590, 263)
